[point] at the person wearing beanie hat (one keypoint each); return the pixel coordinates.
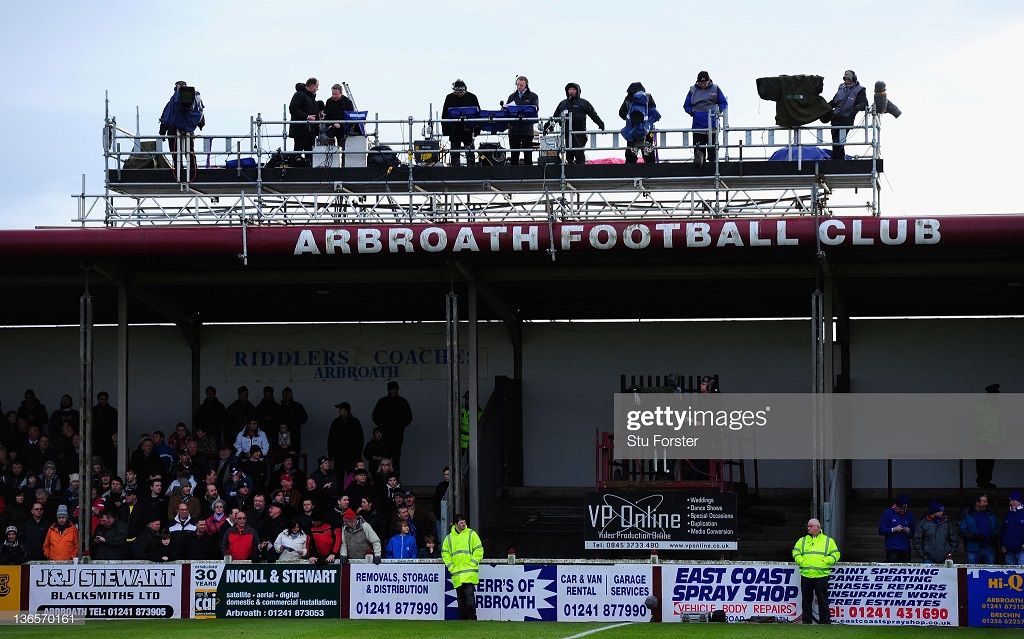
(1013, 531)
(50, 480)
(704, 102)
(850, 99)
(935, 539)
(12, 552)
(325, 480)
(61, 543)
(897, 526)
(460, 134)
(980, 531)
(303, 111)
(578, 110)
(815, 553)
(358, 539)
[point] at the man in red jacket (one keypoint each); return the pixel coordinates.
(324, 540)
(240, 541)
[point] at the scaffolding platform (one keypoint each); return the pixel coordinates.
(757, 175)
(232, 180)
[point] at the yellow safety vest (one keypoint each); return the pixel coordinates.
(815, 555)
(462, 554)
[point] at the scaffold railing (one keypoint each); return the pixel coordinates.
(232, 179)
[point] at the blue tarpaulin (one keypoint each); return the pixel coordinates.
(807, 153)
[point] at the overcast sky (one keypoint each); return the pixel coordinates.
(950, 66)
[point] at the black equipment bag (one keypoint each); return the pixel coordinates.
(382, 157)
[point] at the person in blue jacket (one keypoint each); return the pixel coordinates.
(182, 115)
(1013, 532)
(704, 102)
(402, 545)
(979, 529)
(897, 526)
(639, 130)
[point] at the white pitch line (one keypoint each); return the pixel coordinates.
(590, 632)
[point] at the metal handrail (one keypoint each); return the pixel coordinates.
(669, 139)
(457, 197)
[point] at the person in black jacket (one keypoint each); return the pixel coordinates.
(520, 138)
(33, 533)
(109, 542)
(345, 438)
(460, 134)
(633, 88)
(578, 110)
(334, 109)
(303, 108)
(393, 413)
(104, 429)
(12, 552)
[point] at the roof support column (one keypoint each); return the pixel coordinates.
(472, 381)
(122, 378)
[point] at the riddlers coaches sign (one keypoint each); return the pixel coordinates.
(670, 520)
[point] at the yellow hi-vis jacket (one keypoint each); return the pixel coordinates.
(815, 555)
(464, 424)
(462, 553)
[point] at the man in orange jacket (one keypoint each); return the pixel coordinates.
(61, 542)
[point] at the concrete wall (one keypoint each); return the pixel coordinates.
(571, 371)
(917, 356)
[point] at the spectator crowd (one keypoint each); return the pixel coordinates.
(233, 485)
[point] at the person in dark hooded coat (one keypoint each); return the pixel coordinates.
(303, 111)
(578, 110)
(627, 103)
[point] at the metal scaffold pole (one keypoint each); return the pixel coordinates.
(85, 351)
(456, 501)
(817, 376)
